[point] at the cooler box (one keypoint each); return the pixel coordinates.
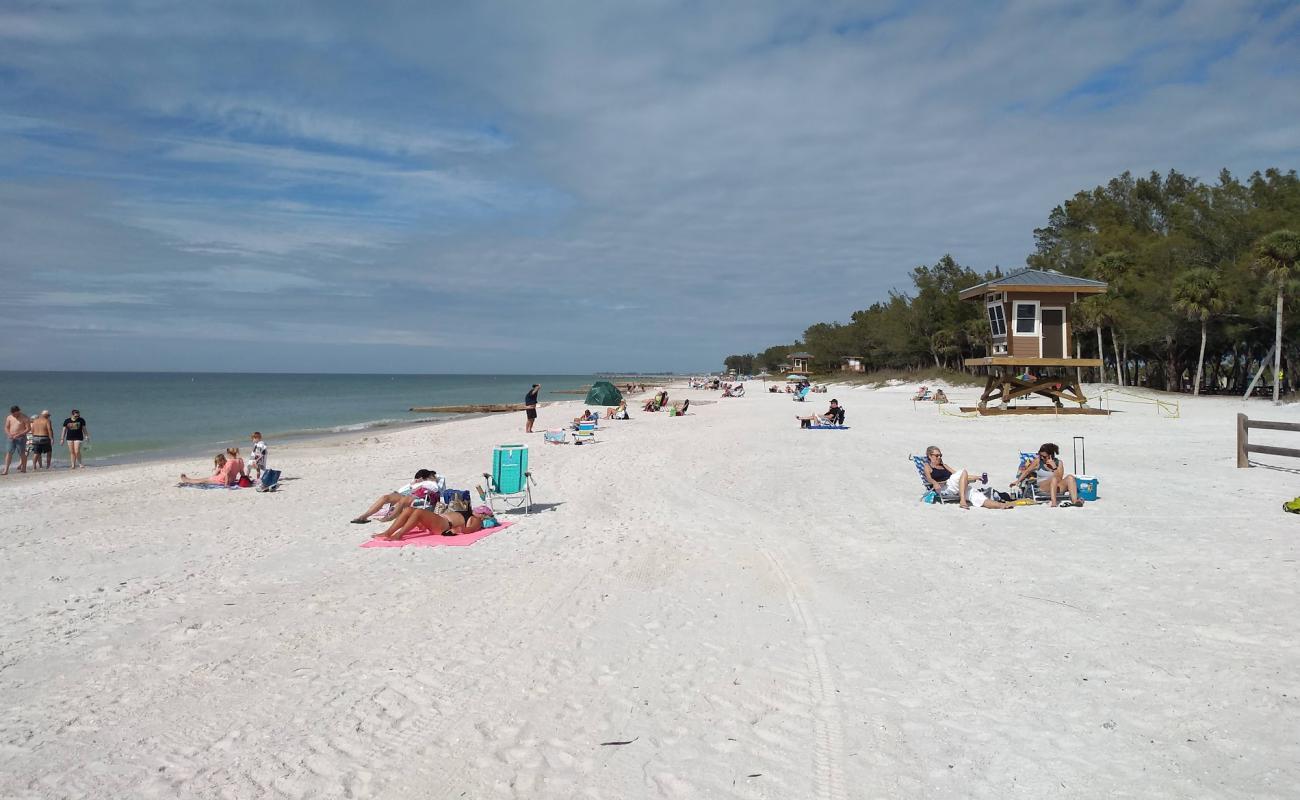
(509, 463)
(1087, 487)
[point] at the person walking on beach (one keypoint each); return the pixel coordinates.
(530, 406)
(42, 439)
(16, 427)
(74, 433)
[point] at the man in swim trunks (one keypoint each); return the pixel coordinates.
(42, 436)
(16, 427)
(530, 406)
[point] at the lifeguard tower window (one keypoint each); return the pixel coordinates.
(1026, 318)
(997, 322)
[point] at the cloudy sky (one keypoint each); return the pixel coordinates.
(515, 187)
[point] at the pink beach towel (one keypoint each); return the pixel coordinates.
(422, 538)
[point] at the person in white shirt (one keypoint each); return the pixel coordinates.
(425, 485)
(257, 458)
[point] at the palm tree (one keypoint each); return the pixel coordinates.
(1276, 256)
(1197, 295)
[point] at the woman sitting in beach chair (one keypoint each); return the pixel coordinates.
(617, 413)
(1043, 472)
(948, 482)
(425, 486)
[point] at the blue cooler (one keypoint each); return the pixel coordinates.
(1087, 487)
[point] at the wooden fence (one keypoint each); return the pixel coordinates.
(1245, 448)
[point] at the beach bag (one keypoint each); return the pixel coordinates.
(931, 497)
(245, 482)
(269, 481)
(1292, 506)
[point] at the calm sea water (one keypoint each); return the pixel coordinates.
(142, 415)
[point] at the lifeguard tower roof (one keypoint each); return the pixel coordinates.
(1035, 280)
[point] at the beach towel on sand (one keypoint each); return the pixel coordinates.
(205, 486)
(423, 538)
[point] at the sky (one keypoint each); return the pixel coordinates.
(564, 186)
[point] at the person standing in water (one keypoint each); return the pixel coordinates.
(75, 432)
(16, 427)
(530, 406)
(42, 439)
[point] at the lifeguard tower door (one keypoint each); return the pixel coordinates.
(1053, 333)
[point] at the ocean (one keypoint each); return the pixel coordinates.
(139, 415)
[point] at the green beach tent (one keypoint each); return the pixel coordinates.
(603, 393)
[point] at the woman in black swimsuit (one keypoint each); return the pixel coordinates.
(448, 523)
(939, 475)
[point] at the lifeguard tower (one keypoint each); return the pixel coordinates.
(1030, 326)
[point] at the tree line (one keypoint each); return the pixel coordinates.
(1199, 276)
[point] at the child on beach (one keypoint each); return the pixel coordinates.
(257, 458)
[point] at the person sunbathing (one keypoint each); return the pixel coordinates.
(1049, 472)
(587, 416)
(953, 482)
(940, 397)
(448, 523)
(834, 416)
(424, 485)
(617, 413)
(220, 474)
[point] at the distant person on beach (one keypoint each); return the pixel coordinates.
(617, 413)
(257, 458)
(1049, 472)
(940, 397)
(426, 483)
(16, 427)
(952, 482)
(530, 406)
(42, 440)
(219, 476)
(448, 523)
(834, 416)
(75, 432)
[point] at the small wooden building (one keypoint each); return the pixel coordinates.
(1029, 321)
(802, 362)
(852, 364)
(1028, 311)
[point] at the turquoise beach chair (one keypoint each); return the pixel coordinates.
(802, 394)
(939, 497)
(510, 482)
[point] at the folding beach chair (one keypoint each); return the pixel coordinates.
(510, 482)
(802, 394)
(939, 497)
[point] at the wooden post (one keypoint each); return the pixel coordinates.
(1242, 441)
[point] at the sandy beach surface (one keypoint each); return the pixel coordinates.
(719, 605)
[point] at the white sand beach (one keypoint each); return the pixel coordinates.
(720, 605)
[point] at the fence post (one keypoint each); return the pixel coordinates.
(1243, 460)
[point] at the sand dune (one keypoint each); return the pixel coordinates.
(758, 611)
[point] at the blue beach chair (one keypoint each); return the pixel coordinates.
(802, 394)
(510, 482)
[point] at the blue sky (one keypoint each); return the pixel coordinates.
(490, 187)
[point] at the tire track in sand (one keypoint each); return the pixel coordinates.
(828, 774)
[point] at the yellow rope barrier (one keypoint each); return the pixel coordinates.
(1166, 409)
(943, 411)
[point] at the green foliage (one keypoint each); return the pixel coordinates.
(1183, 258)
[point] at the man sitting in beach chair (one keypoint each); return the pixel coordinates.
(833, 418)
(947, 482)
(1042, 477)
(940, 397)
(922, 393)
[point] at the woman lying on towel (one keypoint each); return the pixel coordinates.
(227, 468)
(425, 483)
(948, 481)
(448, 523)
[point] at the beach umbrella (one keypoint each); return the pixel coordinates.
(794, 377)
(603, 393)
